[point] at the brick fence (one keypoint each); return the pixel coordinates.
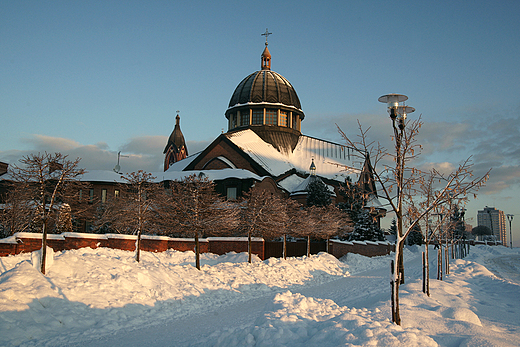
(367, 248)
(29, 242)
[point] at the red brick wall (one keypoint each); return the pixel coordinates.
(78, 242)
(224, 246)
(152, 245)
(184, 245)
(8, 249)
(28, 243)
(339, 249)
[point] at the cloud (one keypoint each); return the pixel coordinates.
(51, 144)
(145, 145)
(138, 153)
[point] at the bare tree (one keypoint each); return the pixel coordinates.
(292, 214)
(318, 223)
(137, 209)
(263, 212)
(18, 213)
(198, 211)
(47, 181)
(399, 185)
(331, 222)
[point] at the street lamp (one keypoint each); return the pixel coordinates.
(510, 219)
(398, 113)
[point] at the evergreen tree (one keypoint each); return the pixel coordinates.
(457, 224)
(365, 229)
(319, 195)
(415, 237)
(393, 227)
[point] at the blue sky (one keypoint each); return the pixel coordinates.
(91, 78)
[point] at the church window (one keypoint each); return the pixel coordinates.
(91, 196)
(258, 117)
(233, 121)
(231, 193)
(283, 118)
(244, 117)
(103, 195)
(116, 193)
(271, 117)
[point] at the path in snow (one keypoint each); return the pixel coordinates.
(360, 290)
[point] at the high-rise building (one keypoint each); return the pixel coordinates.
(495, 220)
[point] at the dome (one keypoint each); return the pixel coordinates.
(267, 103)
(265, 86)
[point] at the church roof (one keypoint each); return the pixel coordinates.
(331, 159)
(176, 137)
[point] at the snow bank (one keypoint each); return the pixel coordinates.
(102, 297)
(88, 292)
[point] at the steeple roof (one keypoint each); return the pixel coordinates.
(176, 137)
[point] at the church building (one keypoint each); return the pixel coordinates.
(264, 145)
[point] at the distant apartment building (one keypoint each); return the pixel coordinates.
(495, 220)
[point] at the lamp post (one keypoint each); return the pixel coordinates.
(510, 219)
(398, 113)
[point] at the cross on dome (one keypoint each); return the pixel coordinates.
(266, 34)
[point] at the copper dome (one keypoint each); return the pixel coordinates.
(265, 86)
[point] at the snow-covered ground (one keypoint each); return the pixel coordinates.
(103, 297)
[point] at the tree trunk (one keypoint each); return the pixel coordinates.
(447, 260)
(249, 247)
(392, 289)
(423, 272)
(44, 246)
(197, 251)
(284, 246)
(439, 264)
(427, 261)
(308, 246)
(401, 262)
(327, 245)
(138, 246)
(396, 316)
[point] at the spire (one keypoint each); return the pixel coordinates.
(175, 149)
(312, 168)
(266, 56)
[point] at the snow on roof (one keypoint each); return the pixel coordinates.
(303, 187)
(291, 182)
(332, 160)
(181, 164)
(373, 201)
(101, 176)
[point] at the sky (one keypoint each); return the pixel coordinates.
(92, 78)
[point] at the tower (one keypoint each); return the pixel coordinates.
(175, 149)
(495, 220)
